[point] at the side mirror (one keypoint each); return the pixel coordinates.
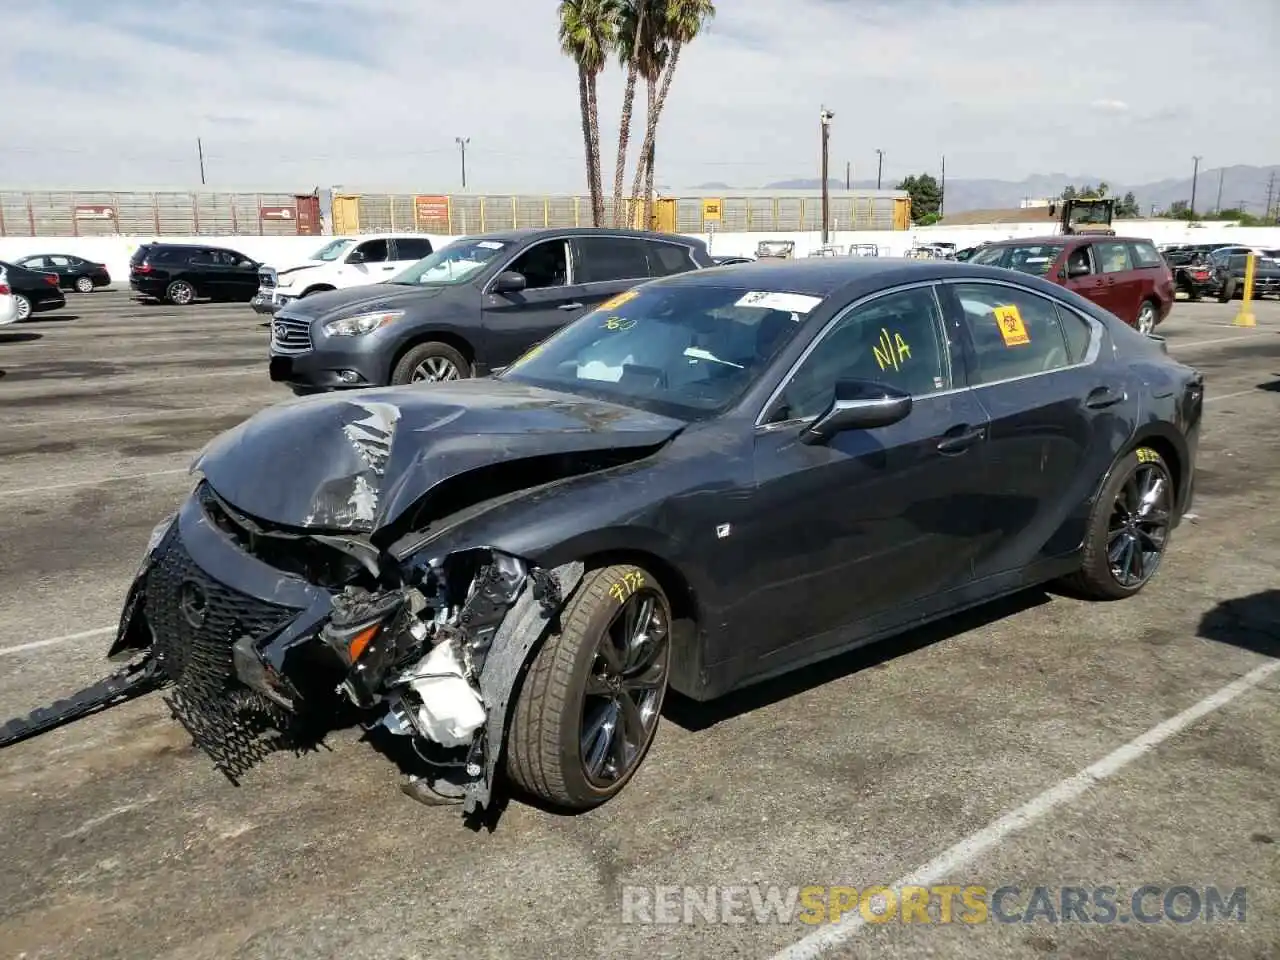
(1078, 270)
(355, 256)
(510, 282)
(858, 405)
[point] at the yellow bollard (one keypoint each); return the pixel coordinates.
(1245, 317)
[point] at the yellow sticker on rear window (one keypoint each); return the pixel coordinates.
(619, 300)
(1012, 329)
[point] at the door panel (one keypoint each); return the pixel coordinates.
(1124, 284)
(1092, 286)
(1055, 420)
(872, 520)
(513, 322)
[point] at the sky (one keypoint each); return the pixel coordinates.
(371, 94)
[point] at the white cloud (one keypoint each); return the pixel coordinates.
(371, 93)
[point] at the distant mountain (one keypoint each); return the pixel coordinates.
(1241, 185)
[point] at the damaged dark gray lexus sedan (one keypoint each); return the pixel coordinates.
(712, 479)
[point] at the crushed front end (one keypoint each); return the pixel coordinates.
(269, 636)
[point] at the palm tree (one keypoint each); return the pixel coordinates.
(633, 25)
(681, 22)
(588, 32)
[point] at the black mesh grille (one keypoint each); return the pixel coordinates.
(195, 620)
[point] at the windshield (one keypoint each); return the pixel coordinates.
(456, 263)
(688, 351)
(331, 250)
(1033, 258)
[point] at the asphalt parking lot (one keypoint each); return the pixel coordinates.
(120, 840)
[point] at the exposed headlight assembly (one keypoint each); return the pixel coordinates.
(362, 323)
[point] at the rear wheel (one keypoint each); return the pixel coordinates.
(431, 363)
(1129, 528)
(590, 703)
(1147, 317)
(180, 292)
(84, 285)
(1228, 290)
(24, 306)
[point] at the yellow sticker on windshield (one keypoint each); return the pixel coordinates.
(619, 323)
(1012, 329)
(619, 300)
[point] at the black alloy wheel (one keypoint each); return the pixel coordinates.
(624, 691)
(1138, 530)
(1129, 528)
(591, 700)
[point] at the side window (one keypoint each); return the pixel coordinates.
(611, 258)
(543, 265)
(33, 263)
(59, 261)
(202, 258)
(666, 259)
(1079, 263)
(1145, 255)
(1077, 331)
(1113, 257)
(375, 251)
(896, 339)
(1014, 334)
(412, 248)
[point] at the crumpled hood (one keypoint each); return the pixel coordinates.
(333, 304)
(356, 461)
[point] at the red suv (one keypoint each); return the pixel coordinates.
(1121, 274)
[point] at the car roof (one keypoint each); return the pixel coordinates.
(1068, 238)
(823, 276)
(538, 233)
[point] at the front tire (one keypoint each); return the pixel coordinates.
(1228, 290)
(590, 704)
(1129, 528)
(431, 363)
(84, 285)
(180, 293)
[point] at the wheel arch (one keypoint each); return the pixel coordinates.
(317, 288)
(1172, 449)
(435, 335)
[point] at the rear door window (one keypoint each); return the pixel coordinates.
(666, 259)
(602, 259)
(412, 248)
(375, 251)
(1077, 331)
(1014, 333)
(1145, 255)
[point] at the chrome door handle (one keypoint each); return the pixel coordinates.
(570, 306)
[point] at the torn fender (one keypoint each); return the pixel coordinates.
(540, 599)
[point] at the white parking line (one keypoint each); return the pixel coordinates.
(1034, 810)
(1228, 396)
(18, 491)
(167, 412)
(1205, 343)
(54, 641)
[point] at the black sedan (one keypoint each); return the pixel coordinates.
(73, 273)
(714, 478)
(34, 292)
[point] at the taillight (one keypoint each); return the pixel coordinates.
(4, 290)
(50, 279)
(143, 267)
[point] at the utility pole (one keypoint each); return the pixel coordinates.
(1271, 185)
(848, 176)
(879, 166)
(942, 190)
(462, 144)
(200, 154)
(1217, 207)
(1195, 174)
(825, 118)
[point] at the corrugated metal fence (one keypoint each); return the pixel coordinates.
(176, 213)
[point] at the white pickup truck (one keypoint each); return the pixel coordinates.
(340, 263)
